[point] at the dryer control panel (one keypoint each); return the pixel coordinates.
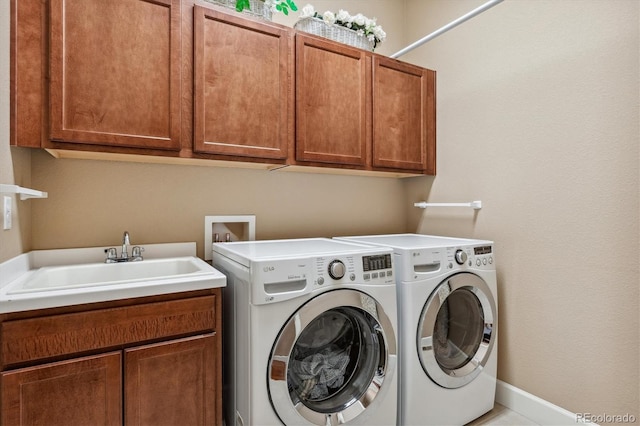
(417, 264)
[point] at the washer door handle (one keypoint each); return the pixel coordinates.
(426, 343)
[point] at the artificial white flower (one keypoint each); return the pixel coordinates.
(329, 18)
(343, 16)
(379, 33)
(307, 12)
(361, 24)
(369, 23)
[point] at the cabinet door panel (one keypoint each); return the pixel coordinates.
(27, 102)
(31, 339)
(242, 89)
(84, 391)
(115, 72)
(403, 116)
(333, 84)
(173, 383)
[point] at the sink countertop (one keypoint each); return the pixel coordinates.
(20, 268)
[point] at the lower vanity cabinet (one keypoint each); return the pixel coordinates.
(81, 391)
(141, 377)
(171, 383)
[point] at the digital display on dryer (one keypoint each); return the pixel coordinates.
(374, 263)
(482, 250)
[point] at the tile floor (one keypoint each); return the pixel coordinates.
(500, 415)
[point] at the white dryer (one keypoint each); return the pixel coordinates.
(448, 313)
(309, 332)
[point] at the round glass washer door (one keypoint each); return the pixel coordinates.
(456, 331)
(331, 359)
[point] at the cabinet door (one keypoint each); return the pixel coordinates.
(115, 72)
(333, 92)
(403, 116)
(83, 391)
(243, 90)
(174, 383)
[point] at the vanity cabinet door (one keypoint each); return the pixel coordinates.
(333, 92)
(82, 391)
(243, 87)
(403, 116)
(115, 73)
(174, 382)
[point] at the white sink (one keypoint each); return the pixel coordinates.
(43, 279)
(177, 269)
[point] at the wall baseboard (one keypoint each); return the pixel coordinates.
(534, 408)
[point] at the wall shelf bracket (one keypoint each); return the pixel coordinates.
(25, 193)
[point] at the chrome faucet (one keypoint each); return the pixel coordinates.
(136, 252)
(125, 242)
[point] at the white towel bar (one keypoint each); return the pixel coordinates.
(447, 27)
(476, 205)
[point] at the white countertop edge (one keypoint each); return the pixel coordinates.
(68, 297)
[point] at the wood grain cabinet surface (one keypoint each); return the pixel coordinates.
(115, 72)
(185, 81)
(242, 78)
(134, 362)
(403, 116)
(356, 108)
(333, 83)
(83, 391)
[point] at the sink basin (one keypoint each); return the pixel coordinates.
(157, 271)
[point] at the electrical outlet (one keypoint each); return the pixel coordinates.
(7, 213)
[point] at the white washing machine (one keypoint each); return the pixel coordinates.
(309, 332)
(448, 312)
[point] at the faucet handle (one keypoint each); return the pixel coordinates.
(112, 255)
(136, 253)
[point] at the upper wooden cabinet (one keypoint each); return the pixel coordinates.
(360, 109)
(182, 80)
(115, 72)
(403, 116)
(333, 85)
(243, 94)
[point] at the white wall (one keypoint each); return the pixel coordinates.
(538, 117)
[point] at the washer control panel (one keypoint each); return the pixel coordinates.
(471, 256)
(374, 269)
(378, 266)
(337, 269)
